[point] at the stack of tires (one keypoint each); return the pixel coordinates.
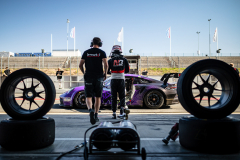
(26, 96)
(210, 100)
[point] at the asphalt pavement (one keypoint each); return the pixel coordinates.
(152, 124)
(70, 129)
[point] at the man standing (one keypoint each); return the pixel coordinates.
(59, 77)
(118, 66)
(7, 72)
(94, 76)
(232, 65)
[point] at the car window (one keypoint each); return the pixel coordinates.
(144, 81)
(140, 81)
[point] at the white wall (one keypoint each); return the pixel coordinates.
(6, 54)
(64, 53)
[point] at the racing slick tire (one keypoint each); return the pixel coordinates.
(191, 97)
(85, 153)
(154, 99)
(18, 80)
(78, 99)
(217, 136)
(143, 154)
(27, 134)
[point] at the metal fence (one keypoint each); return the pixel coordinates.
(70, 65)
(72, 76)
(189, 54)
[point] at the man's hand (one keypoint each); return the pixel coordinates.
(81, 65)
(105, 67)
(104, 77)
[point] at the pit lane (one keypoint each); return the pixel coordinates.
(152, 125)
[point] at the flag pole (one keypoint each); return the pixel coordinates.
(217, 39)
(51, 43)
(170, 40)
(217, 43)
(74, 51)
(74, 40)
(122, 42)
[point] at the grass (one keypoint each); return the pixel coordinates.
(162, 71)
(151, 71)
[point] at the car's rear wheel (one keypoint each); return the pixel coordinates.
(154, 99)
(80, 100)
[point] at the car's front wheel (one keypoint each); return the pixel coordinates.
(154, 99)
(80, 100)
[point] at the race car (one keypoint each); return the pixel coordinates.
(140, 91)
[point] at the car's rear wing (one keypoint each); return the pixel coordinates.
(166, 77)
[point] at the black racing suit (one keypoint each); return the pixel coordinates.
(118, 66)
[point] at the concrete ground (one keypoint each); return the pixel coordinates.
(152, 124)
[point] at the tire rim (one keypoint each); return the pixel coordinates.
(32, 95)
(217, 92)
(153, 99)
(82, 99)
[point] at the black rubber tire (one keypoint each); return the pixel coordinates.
(7, 98)
(217, 136)
(85, 153)
(144, 154)
(229, 80)
(160, 96)
(76, 103)
(27, 134)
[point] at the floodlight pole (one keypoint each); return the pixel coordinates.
(198, 43)
(209, 39)
(67, 34)
(67, 49)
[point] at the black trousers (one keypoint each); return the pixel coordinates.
(117, 86)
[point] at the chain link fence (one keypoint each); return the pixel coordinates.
(72, 75)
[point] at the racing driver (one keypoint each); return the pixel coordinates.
(118, 66)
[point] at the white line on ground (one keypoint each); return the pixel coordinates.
(81, 139)
(106, 113)
(111, 113)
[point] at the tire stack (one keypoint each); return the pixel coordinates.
(209, 129)
(27, 128)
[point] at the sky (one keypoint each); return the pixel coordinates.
(27, 25)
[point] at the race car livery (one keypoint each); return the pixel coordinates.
(140, 91)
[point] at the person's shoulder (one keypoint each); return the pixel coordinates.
(100, 50)
(87, 50)
(103, 53)
(110, 60)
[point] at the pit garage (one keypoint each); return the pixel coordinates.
(208, 124)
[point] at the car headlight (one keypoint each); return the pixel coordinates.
(71, 90)
(67, 99)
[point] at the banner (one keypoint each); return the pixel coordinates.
(72, 34)
(215, 36)
(120, 36)
(168, 33)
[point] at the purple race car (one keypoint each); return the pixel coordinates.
(140, 91)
